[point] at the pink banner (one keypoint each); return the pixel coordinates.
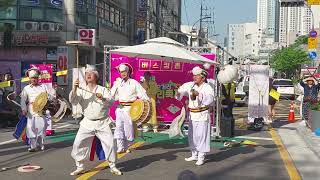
(46, 72)
(168, 75)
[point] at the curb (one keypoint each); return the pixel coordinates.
(308, 141)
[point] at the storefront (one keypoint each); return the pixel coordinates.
(28, 48)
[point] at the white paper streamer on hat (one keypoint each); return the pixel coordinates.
(227, 74)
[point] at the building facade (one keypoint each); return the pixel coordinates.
(296, 19)
(244, 40)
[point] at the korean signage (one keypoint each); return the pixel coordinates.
(62, 64)
(33, 39)
(313, 2)
(140, 21)
(88, 36)
(169, 75)
(155, 65)
(312, 43)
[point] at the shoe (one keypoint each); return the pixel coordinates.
(32, 150)
(199, 162)
(155, 130)
(115, 171)
(192, 158)
(77, 172)
(42, 148)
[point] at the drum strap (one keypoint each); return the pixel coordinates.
(201, 109)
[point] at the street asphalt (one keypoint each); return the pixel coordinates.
(156, 158)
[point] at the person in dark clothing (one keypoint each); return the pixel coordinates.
(228, 92)
(272, 102)
(311, 89)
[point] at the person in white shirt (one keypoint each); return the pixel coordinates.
(201, 96)
(95, 101)
(126, 91)
(36, 123)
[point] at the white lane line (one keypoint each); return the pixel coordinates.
(60, 127)
(7, 142)
(256, 138)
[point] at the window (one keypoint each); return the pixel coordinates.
(112, 15)
(116, 17)
(107, 12)
(54, 15)
(31, 13)
(8, 13)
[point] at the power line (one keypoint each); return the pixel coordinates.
(185, 9)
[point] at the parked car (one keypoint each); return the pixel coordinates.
(285, 87)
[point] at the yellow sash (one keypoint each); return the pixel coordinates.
(273, 93)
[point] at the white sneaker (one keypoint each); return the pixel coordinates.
(192, 158)
(42, 148)
(77, 172)
(199, 162)
(32, 149)
(115, 171)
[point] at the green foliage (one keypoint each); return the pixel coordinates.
(289, 59)
(315, 106)
(300, 41)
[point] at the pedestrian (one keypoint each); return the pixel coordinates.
(36, 123)
(273, 98)
(201, 96)
(126, 90)
(311, 89)
(95, 101)
(228, 99)
(152, 89)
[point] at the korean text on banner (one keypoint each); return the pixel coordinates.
(62, 64)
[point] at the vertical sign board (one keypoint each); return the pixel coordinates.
(258, 92)
(313, 2)
(88, 36)
(62, 64)
(312, 43)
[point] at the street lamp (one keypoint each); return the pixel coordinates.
(207, 17)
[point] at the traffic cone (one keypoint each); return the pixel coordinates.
(291, 117)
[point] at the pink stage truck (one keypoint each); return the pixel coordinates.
(169, 75)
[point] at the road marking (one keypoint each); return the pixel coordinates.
(256, 138)
(7, 142)
(291, 169)
(60, 127)
(102, 166)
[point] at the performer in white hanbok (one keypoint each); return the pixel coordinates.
(126, 90)
(36, 123)
(95, 101)
(201, 96)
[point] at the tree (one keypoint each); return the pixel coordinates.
(288, 60)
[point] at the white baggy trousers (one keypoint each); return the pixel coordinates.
(82, 143)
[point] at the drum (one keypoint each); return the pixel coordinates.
(140, 111)
(58, 108)
(40, 102)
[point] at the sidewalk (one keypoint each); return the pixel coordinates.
(303, 147)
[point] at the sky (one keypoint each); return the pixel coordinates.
(226, 12)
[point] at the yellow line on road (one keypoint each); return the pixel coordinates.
(105, 164)
(291, 169)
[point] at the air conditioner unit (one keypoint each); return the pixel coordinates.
(58, 27)
(47, 26)
(31, 26)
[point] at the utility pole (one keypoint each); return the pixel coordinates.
(157, 18)
(200, 29)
